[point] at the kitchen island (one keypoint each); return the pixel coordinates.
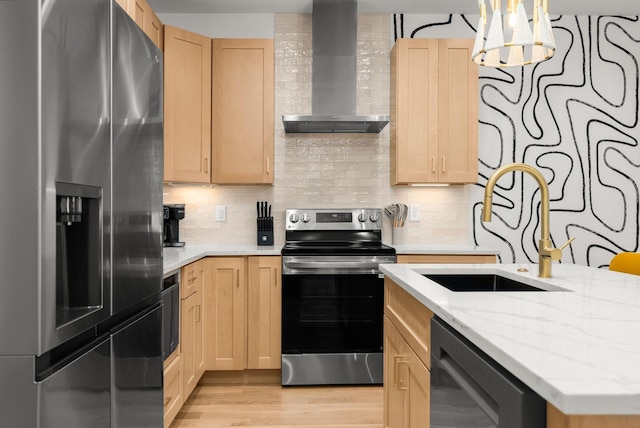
(576, 345)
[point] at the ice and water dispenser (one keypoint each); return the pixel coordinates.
(78, 251)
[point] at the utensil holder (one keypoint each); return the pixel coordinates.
(398, 235)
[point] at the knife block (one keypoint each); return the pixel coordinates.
(265, 230)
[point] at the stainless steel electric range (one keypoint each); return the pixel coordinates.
(333, 296)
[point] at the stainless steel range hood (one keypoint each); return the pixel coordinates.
(334, 78)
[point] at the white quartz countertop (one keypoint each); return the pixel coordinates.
(578, 348)
(175, 258)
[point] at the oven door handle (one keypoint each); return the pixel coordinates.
(332, 265)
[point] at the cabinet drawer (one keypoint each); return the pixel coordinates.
(192, 278)
(410, 317)
(173, 396)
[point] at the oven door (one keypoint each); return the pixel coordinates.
(331, 321)
(332, 313)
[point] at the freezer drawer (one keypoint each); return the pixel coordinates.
(77, 394)
(137, 365)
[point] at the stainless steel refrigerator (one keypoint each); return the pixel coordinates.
(81, 223)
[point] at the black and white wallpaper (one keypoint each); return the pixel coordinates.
(575, 118)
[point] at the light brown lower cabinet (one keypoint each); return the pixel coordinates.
(225, 315)
(264, 312)
(242, 301)
(406, 382)
(173, 388)
(406, 359)
(191, 341)
(191, 326)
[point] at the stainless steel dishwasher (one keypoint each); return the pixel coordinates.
(470, 390)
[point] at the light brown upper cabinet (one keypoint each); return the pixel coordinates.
(146, 19)
(187, 106)
(243, 111)
(434, 112)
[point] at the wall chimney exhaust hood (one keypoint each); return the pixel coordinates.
(334, 74)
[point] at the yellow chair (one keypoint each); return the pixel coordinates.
(626, 262)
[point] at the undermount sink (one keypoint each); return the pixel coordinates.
(479, 282)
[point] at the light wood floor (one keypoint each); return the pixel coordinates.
(275, 406)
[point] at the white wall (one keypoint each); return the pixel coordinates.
(224, 25)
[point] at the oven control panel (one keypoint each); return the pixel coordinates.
(334, 219)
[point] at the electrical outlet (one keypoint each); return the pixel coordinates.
(414, 213)
(221, 213)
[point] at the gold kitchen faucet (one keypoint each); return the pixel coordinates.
(546, 252)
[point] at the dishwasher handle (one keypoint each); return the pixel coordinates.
(472, 387)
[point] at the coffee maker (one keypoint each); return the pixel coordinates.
(171, 233)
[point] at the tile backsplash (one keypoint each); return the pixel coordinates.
(324, 171)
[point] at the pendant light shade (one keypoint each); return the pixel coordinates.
(514, 42)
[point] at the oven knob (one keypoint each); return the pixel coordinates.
(305, 218)
(374, 218)
(293, 218)
(363, 217)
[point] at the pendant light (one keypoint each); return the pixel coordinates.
(513, 42)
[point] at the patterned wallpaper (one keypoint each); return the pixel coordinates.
(575, 118)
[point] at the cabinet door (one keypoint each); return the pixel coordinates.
(198, 328)
(145, 17)
(243, 111)
(173, 395)
(406, 383)
(191, 341)
(458, 112)
(394, 396)
(264, 314)
(138, 10)
(123, 5)
(434, 112)
(417, 383)
(193, 277)
(225, 315)
(414, 111)
(154, 29)
(187, 106)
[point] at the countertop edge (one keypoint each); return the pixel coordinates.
(175, 258)
(448, 250)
